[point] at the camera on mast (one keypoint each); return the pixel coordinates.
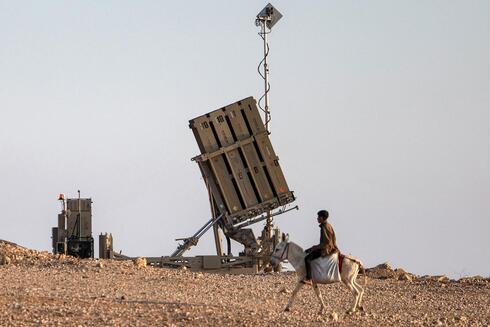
(269, 15)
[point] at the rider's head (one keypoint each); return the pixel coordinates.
(322, 216)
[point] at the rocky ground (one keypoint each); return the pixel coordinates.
(43, 289)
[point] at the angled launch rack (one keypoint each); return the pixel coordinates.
(238, 162)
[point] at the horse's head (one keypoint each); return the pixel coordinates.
(280, 252)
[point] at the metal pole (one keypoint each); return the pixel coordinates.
(79, 216)
(269, 224)
(65, 227)
(266, 76)
(217, 237)
(191, 241)
(261, 218)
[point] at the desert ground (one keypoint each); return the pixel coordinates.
(41, 289)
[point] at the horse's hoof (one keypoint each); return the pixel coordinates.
(361, 308)
(350, 311)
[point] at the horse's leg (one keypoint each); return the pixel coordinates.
(320, 298)
(355, 292)
(361, 293)
(360, 289)
(348, 281)
(291, 299)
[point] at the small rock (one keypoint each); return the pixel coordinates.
(140, 262)
(334, 316)
(284, 290)
(442, 279)
(405, 276)
(5, 260)
(99, 265)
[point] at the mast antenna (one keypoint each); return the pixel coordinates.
(266, 19)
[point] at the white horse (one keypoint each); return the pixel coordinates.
(296, 256)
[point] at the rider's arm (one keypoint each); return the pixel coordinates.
(323, 239)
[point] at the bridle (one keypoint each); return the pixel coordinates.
(285, 250)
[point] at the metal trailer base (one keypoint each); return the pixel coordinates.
(209, 263)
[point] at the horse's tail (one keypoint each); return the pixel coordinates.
(362, 270)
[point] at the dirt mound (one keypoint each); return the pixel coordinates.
(474, 280)
(11, 253)
(385, 271)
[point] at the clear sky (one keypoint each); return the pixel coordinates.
(380, 114)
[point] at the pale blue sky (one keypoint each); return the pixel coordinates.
(380, 114)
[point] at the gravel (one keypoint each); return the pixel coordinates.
(44, 289)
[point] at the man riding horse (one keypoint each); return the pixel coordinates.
(331, 268)
(326, 247)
